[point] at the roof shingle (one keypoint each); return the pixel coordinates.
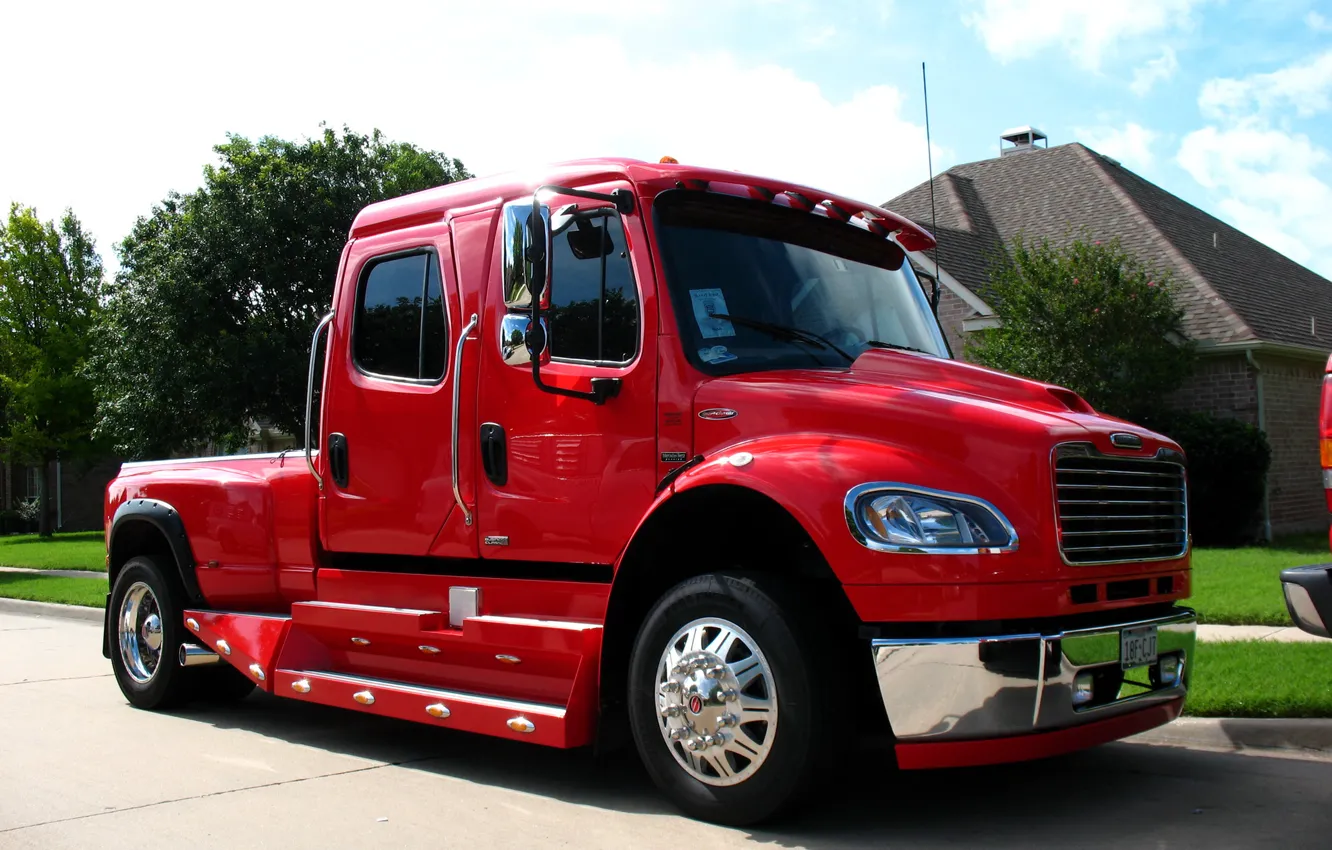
(1233, 288)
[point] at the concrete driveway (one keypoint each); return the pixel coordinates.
(79, 768)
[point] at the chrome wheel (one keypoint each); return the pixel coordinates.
(140, 630)
(716, 701)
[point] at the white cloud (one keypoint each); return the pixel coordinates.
(1306, 86)
(1317, 22)
(1273, 185)
(1088, 32)
(1154, 71)
(1131, 144)
(124, 105)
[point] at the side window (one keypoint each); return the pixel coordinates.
(400, 330)
(593, 301)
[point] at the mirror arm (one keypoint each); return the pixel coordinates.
(602, 388)
(622, 199)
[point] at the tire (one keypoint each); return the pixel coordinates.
(149, 678)
(770, 762)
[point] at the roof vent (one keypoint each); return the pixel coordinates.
(1021, 139)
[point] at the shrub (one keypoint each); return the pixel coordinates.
(28, 510)
(1088, 316)
(1228, 462)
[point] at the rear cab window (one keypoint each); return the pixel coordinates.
(400, 330)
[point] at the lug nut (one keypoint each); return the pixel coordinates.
(679, 733)
(717, 671)
(692, 745)
(670, 687)
(727, 720)
(671, 711)
(730, 695)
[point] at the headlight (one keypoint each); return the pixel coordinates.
(903, 518)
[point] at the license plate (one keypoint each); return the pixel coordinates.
(1137, 647)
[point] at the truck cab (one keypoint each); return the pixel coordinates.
(648, 451)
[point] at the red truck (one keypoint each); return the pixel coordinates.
(1308, 590)
(627, 449)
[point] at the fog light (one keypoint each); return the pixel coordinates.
(1169, 670)
(1082, 689)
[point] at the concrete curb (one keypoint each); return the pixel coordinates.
(50, 609)
(1309, 736)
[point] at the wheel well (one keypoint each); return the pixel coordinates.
(134, 537)
(716, 527)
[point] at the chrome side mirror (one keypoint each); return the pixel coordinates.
(1309, 597)
(517, 344)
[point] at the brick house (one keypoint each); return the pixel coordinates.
(1263, 323)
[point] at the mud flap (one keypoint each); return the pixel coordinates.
(106, 628)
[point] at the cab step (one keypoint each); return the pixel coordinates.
(538, 723)
(541, 672)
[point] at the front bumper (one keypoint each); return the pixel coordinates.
(957, 689)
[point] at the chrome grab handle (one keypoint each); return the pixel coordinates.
(309, 396)
(457, 390)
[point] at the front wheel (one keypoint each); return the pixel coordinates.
(723, 709)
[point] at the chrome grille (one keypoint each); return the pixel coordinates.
(1115, 509)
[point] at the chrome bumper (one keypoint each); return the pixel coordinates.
(951, 689)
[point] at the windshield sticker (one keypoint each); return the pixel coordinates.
(715, 354)
(707, 304)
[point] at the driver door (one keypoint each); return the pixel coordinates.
(576, 476)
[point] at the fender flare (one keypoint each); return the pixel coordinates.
(166, 519)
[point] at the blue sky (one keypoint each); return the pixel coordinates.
(1225, 103)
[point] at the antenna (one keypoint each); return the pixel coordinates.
(929, 156)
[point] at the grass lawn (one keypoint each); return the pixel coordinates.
(1260, 679)
(67, 590)
(80, 550)
(1240, 587)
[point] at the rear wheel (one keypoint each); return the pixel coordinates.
(721, 700)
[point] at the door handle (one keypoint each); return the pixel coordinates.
(494, 454)
(457, 395)
(309, 398)
(337, 459)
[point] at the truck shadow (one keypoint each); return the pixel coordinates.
(1117, 795)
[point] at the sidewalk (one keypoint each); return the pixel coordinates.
(1279, 634)
(66, 573)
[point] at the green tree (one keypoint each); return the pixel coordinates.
(50, 284)
(1091, 317)
(208, 323)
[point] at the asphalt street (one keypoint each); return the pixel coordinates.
(79, 768)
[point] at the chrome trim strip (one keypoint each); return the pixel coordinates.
(172, 461)
(1086, 449)
(457, 394)
(855, 494)
(309, 395)
(1040, 683)
(435, 693)
(959, 688)
(370, 609)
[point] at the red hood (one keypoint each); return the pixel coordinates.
(981, 420)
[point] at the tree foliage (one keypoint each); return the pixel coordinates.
(50, 284)
(209, 319)
(1091, 317)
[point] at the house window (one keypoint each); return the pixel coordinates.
(34, 482)
(400, 330)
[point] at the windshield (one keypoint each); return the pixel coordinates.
(758, 287)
